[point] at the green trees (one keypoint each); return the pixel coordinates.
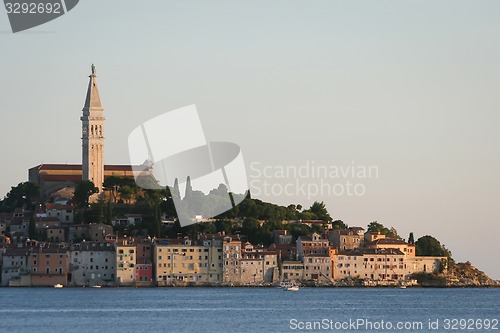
(120, 187)
(83, 191)
(430, 246)
(22, 195)
(378, 227)
(339, 225)
(154, 198)
(317, 211)
(320, 211)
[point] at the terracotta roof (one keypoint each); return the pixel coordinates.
(388, 241)
(58, 206)
(347, 232)
(58, 167)
(382, 251)
(355, 252)
(78, 167)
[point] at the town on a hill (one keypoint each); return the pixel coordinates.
(131, 237)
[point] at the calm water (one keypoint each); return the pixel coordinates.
(234, 309)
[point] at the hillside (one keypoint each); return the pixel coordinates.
(465, 274)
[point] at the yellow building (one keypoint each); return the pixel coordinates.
(181, 262)
(126, 260)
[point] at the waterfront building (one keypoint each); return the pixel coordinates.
(49, 264)
(292, 270)
(231, 268)
(318, 267)
(392, 243)
(371, 264)
(15, 266)
(92, 263)
(258, 265)
(125, 262)
(183, 261)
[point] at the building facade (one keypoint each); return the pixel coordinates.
(92, 264)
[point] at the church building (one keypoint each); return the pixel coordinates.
(59, 180)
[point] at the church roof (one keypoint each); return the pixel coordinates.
(118, 167)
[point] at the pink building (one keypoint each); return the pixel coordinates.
(144, 274)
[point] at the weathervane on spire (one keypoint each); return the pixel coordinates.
(93, 69)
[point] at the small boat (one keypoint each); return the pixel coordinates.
(293, 288)
(96, 286)
(58, 285)
(402, 286)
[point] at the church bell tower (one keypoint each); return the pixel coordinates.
(93, 135)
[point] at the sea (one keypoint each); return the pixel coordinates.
(248, 310)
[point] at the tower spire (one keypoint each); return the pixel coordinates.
(93, 134)
(93, 100)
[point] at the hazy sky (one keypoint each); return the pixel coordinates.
(410, 87)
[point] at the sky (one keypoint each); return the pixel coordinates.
(409, 88)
